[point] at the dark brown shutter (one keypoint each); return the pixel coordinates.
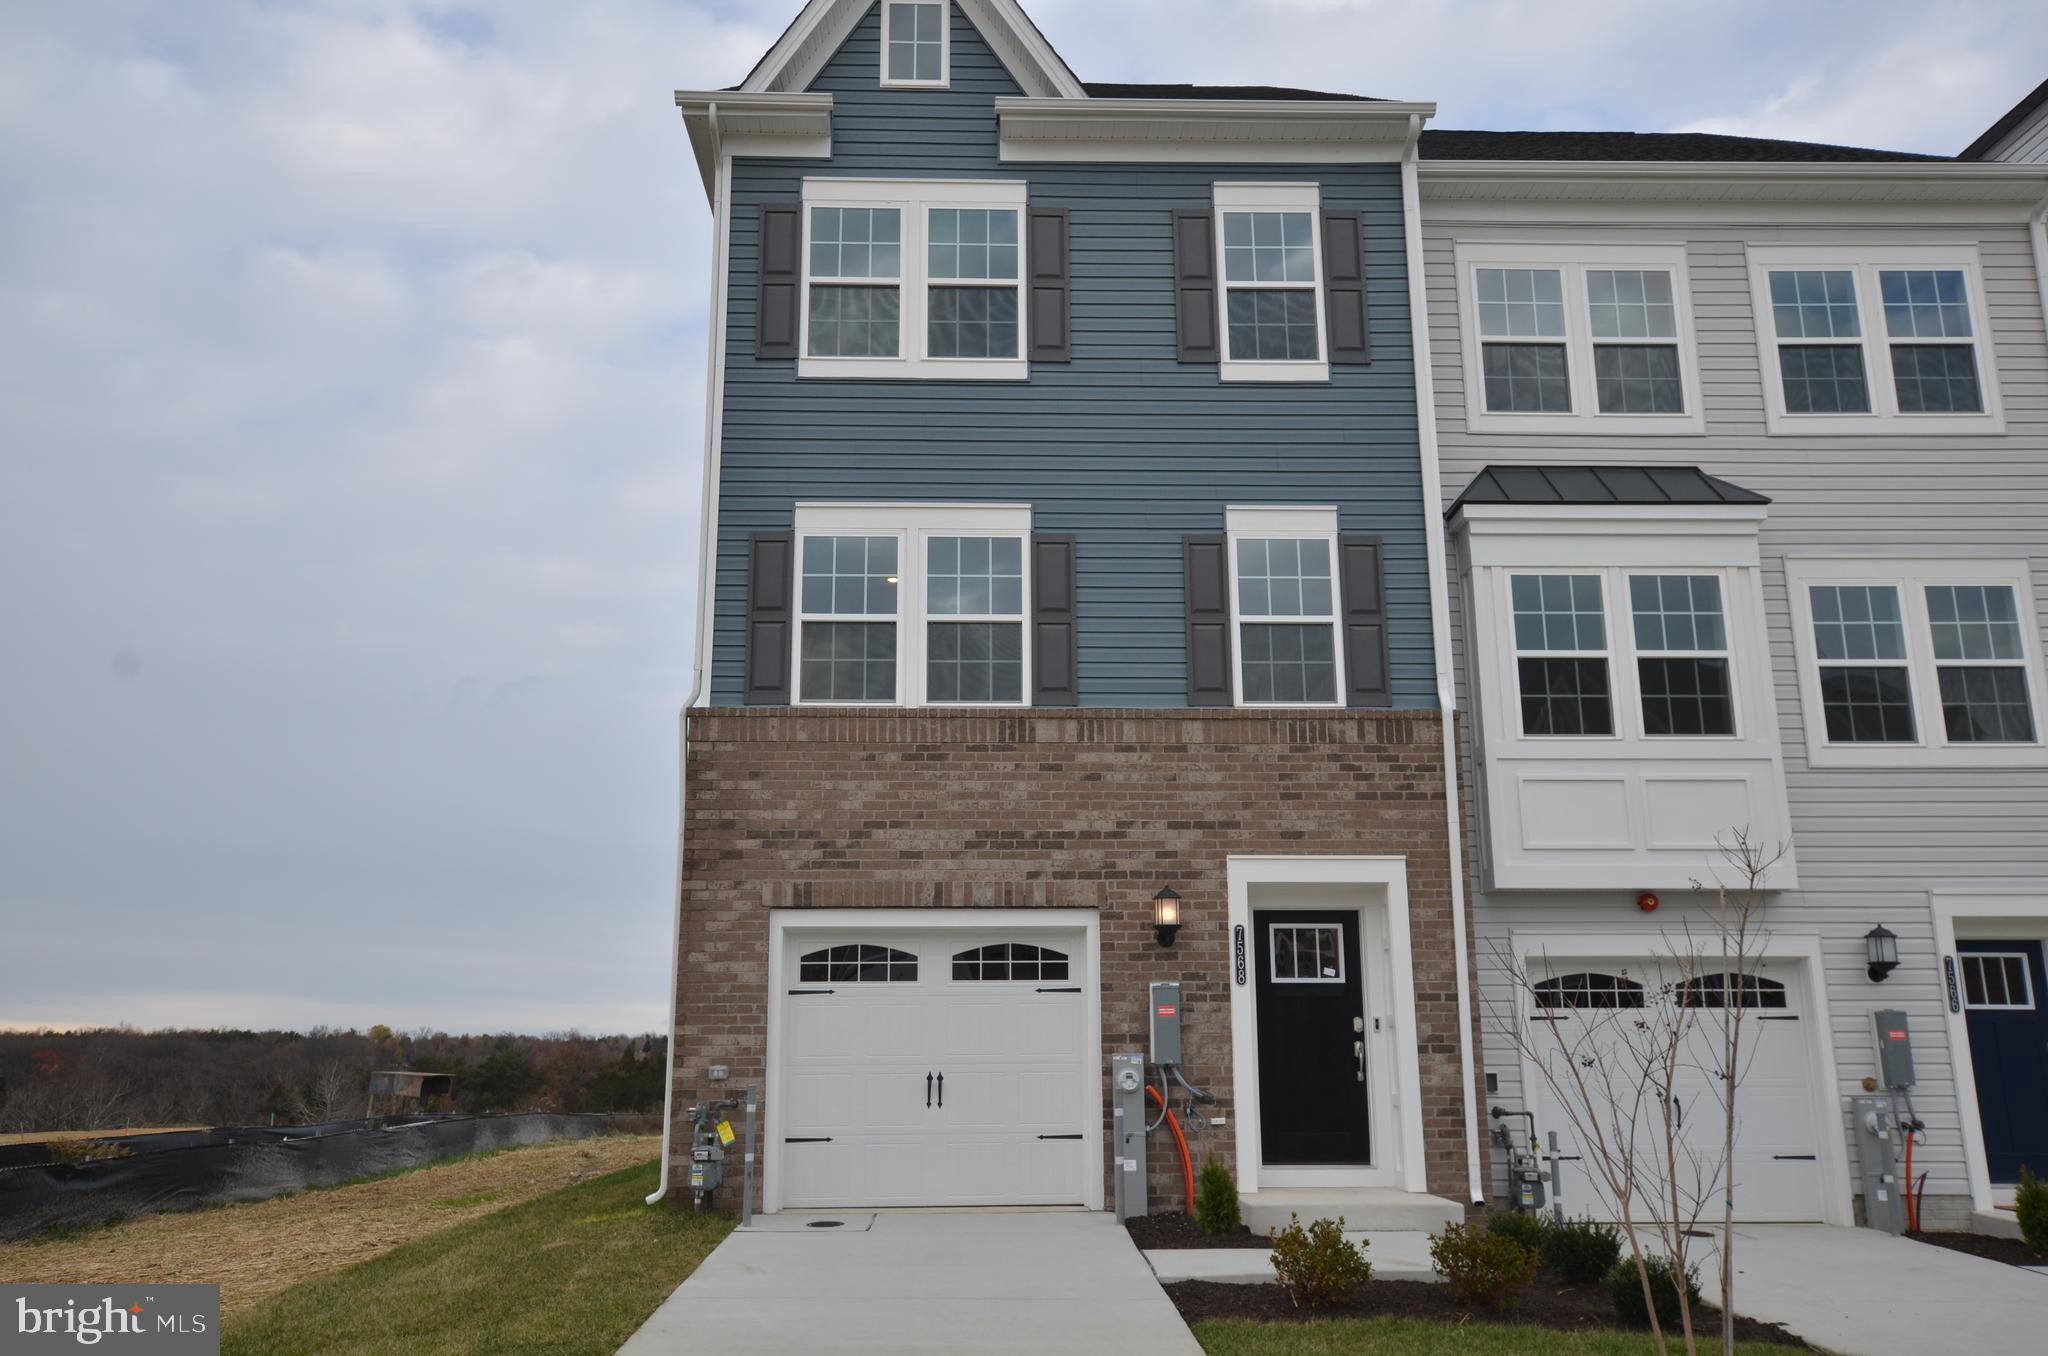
(779, 295)
(1051, 290)
(1344, 287)
(1206, 564)
(1194, 286)
(1362, 573)
(1055, 681)
(771, 557)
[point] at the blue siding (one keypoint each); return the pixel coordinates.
(1124, 447)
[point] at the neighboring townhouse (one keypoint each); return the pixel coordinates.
(1746, 447)
(2021, 135)
(1068, 627)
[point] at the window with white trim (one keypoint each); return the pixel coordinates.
(1682, 669)
(1906, 662)
(1284, 606)
(917, 44)
(912, 605)
(1561, 337)
(913, 278)
(1997, 981)
(1560, 626)
(1270, 237)
(1877, 339)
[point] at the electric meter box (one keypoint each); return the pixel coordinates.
(1894, 1049)
(1166, 1022)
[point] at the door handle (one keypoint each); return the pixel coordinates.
(942, 1090)
(1358, 1050)
(927, 1089)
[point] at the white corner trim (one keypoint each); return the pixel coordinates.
(1803, 947)
(783, 922)
(1949, 909)
(1383, 891)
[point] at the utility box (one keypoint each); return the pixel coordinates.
(1877, 1138)
(1127, 1087)
(1894, 1049)
(1166, 1022)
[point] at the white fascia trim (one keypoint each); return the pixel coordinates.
(1779, 944)
(1611, 520)
(707, 580)
(782, 922)
(1903, 182)
(1280, 520)
(841, 515)
(1949, 910)
(1434, 538)
(1204, 130)
(725, 122)
(1383, 882)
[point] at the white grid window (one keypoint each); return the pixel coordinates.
(1560, 627)
(1306, 953)
(1997, 981)
(1562, 338)
(1286, 621)
(913, 605)
(1980, 663)
(1683, 673)
(913, 279)
(1270, 239)
(916, 44)
(1865, 341)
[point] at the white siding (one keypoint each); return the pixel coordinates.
(2026, 143)
(1872, 844)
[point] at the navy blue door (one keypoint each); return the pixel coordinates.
(2005, 994)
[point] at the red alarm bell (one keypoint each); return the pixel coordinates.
(1647, 902)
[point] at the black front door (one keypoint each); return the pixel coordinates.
(2005, 994)
(1312, 1105)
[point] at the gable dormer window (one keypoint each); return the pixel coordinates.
(916, 44)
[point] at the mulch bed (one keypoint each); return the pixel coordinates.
(1550, 1303)
(1177, 1230)
(1987, 1246)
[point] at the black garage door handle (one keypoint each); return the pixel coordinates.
(942, 1090)
(927, 1089)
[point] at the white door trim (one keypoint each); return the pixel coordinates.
(1948, 909)
(1383, 890)
(783, 922)
(1801, 948)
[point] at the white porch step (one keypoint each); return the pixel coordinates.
(1399, 1255)
(1373, 1210)
(1997, 1223)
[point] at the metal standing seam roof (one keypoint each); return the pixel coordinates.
(1642, 485)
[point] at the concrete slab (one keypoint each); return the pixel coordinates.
(1863, 1293)
(1371, 1209)
(1999, 1223)
(923, 1282)
(1396, 1256)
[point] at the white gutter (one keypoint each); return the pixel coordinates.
(1440, 626)
(707, 569)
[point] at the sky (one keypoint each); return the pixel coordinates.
(351, 418)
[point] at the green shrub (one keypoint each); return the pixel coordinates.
(1318, 1267)
(1525, 1228)
(1627, 1289)
(1216, 1200)
(2031, 1205)
(1482, 1267)
(1582, 1251)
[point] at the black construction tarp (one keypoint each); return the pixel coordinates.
(216, 1167)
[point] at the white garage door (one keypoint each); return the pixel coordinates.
(941, 1068)
(1777, 1166)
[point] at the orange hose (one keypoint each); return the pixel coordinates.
(1912, 1210)
(1187, 1165)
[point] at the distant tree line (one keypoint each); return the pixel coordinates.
(119, 1077)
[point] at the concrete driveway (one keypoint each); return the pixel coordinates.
(922, 1281)
(1863, 1293)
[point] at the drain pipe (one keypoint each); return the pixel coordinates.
(1440, 618)
(700, 664)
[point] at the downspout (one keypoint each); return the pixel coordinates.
(1440, 625)
(707, 564)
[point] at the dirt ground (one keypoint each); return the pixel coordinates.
(57, 1136)
(253, 1251)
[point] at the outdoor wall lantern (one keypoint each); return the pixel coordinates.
(1882, 946)
(1166, 916)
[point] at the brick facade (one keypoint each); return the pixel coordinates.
(1098, 809)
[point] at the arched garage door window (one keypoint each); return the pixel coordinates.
(1589, 989)
(857, 963)
(1010, 960)
(1718, 991)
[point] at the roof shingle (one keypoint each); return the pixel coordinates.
(1673, 146)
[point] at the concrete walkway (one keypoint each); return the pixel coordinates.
(1863, 1293)
(922, 1281)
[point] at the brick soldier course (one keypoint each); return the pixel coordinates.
(791, 808)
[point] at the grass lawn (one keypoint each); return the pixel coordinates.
(570, 1272)
(1407, 1337)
